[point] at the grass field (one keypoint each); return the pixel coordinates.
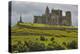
(25, 39)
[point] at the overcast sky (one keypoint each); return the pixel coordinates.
(29, 9)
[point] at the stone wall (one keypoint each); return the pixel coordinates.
(55, 18)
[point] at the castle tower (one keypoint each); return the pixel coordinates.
(60, 17)
(68, 18)
(56, 16)
(47, 10)
(47, 15)
(20, 21)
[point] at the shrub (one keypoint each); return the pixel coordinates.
(72, 45)
(14, 48)
(58, 47)
(54, 46)
(50, 46)
(42, 38)
(52, 38)
(36, 38)
(20, 47)
(35, 46)
(64, 43)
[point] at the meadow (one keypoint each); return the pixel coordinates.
(28, 37)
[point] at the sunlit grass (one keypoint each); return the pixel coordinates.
(29, 34)
(46, 25)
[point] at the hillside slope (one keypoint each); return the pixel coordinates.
(43, 33)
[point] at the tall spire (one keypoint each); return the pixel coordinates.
(47, 10)
(20, 19)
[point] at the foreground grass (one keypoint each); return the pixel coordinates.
(37, 40)
(59, 40)
(47, 43)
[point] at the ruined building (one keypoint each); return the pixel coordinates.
(54, 18)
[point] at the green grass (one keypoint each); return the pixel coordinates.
(46, 25)
(59, 40)
(29, 34)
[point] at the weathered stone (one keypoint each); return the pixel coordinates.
(54, 18)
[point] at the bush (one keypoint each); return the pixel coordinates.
(50, 46)
(35, 46)
(28, 46)
(20, 47)
(42, 38)
(14, 48)
(52, 38)
(72, 45)
(54, 46)
(36, 38)
(64, 43)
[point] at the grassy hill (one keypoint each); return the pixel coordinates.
(38, 37)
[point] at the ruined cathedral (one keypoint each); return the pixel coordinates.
(54, 17)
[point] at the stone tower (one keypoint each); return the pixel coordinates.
(60, 17)
(20, 21)
(47, 10)
(47, 15)
(68, 18)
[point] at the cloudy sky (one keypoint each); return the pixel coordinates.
(29, 9)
